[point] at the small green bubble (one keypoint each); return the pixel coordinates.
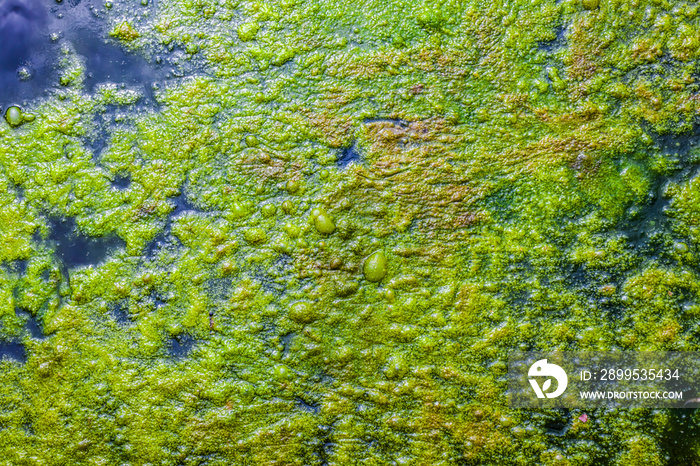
(292, 230)
(323, 222)
(251, 141)
(255, 235)
(302, 312)
(13, 116)
(292, 186)
(268, 210)
(281, 372)
(239, 210)
(375, 267)
(288, 207)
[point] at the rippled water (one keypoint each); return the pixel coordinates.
(32, 34)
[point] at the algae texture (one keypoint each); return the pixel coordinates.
(315, 241)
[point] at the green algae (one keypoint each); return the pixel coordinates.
(507, 172)
(13, 116)
(323, 222)
(374, 267)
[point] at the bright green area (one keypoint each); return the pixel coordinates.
(518, 190)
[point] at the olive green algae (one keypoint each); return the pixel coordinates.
(527, 183)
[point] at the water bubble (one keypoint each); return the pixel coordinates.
(13, 116)
(323, 222)
(374, 267)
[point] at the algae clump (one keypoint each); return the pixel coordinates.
(375, 267)
(323, 222)
(13, 116)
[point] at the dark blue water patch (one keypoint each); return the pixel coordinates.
(558, 42)
(181, 203)
(181, 345)
(121, 181)
(165, 239)
(106, 62)
(31, 324)
(348, 155)
(32, 33)
(13, 350)
(120, 312)
(286, 341)
(23, 60)
(18, 266)
(74, 249)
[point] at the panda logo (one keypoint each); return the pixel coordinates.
(542, 368)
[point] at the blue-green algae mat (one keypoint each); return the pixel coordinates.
(308, 232)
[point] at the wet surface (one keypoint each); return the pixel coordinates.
(33, 33)
(23, 58)
(14, 349)
(286, 341)
(75, 249)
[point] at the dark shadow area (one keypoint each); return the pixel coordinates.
(396, 121)
(645, 224)
(681, 439)
(560, 423)
(75, 249)
(306, 406)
